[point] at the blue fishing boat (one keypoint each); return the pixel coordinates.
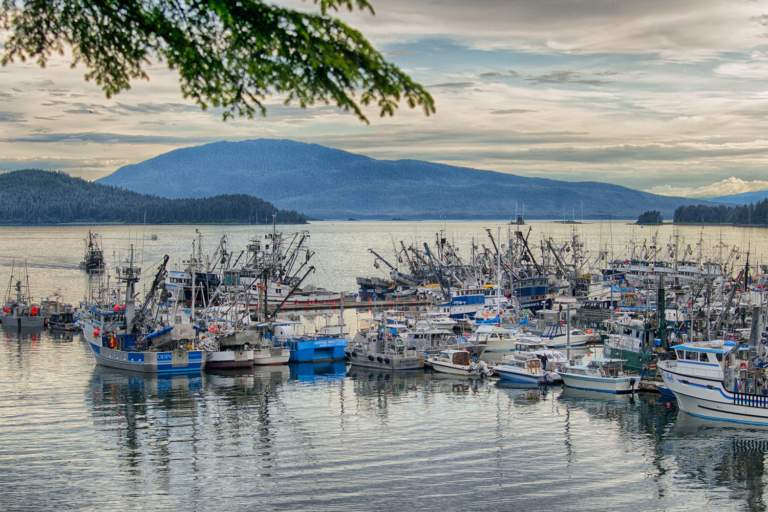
(123, 338)
(309, 348)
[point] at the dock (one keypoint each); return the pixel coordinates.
(352, 303)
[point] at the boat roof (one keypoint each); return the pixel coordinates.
(273, 324)
(716, 346)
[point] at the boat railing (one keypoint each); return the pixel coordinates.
(750, 400)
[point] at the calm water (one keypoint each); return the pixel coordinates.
(328, 437)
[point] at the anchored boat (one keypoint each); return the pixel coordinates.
(121, 337)
(603, 375)
(720, 380)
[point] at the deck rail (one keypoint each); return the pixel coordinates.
(750, 400)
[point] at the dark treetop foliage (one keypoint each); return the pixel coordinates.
(229, 54)
(751, 214)
(651, 217)
(31, 197)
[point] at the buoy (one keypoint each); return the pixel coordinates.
(95, 332)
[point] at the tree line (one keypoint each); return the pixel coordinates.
(36, 197)
(750, 214)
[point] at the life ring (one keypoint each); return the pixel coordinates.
(743, 366)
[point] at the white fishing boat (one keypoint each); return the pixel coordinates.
(458, 362)
(498, 342)
(440, 320)
(227, 351)
(524, 368)
(556, 336)
(720, 380)
(602, 375)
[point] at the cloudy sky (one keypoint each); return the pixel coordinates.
(661, 95)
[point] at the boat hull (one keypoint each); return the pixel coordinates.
(452, 369)
(518, 377)
(317, 349)
(229, 359)
(387, 361)
(23, 322)
(271, 357)
(177, 361)
(707, 398)
(616, 386)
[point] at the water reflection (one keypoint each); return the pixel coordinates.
(728, 459)
(318, 372)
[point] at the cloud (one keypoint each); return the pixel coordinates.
(111, 138)
(158, 108)
(512, 111)
(11, 117)
(726, 187)
(754, 69)
(491, 74)
(59, 163)
(453, 85)
(563, 77)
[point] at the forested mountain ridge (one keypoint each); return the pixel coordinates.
(753, 214)
(334, 184)
(36, 197)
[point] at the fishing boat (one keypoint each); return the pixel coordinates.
(121, 337)
(523, 368)
(227, 351)
(93, 260)
(19, 312)
(268, 349)
(439, 320)
(557, 336)
(377, 347)
(720, 380)
(307, 348)
(430, 341)
(458, 362)
(603, 375)
(498, 342)
(63, 322)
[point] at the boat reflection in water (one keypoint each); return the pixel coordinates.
(729, 459)
(318, 372)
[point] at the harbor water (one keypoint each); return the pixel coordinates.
(334, 437)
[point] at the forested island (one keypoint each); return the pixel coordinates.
(36, 197)
(650, 218)
(754, 214)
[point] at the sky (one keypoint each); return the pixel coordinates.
(666, 96)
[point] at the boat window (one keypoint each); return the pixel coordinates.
(690, 356)
(679, 354)
(719, 357)
(703, 357)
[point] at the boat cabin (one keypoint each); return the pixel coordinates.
(530, 365)
(455, 357)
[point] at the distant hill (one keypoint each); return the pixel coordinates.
(753, 214)
(745, 198)
(333, 184)
(30, 197)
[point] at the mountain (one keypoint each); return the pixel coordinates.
(333, 184)
(31, 196)
(745, 198)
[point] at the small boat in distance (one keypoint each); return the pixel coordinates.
(93, 261)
